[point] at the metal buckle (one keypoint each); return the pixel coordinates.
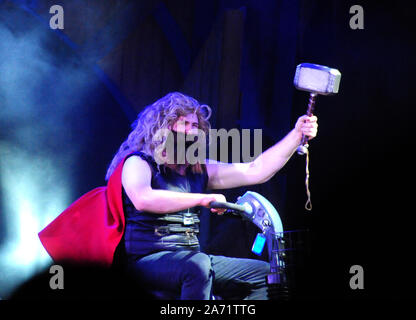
(188, 221)
(163, 231)
(189, 233)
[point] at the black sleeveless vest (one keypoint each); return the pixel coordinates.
(146, 232)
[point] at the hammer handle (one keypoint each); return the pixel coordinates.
(309, 112)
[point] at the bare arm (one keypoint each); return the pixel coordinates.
(136, 180)
(230, 175)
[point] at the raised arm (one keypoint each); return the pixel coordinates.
(230, 175)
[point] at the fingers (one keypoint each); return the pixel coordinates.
(309, 126)
(305, 117)
(308, 119)
(310, 133)
(312, 119)
(218, 211)
(206, 202)
(211, 197)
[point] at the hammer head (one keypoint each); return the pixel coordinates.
(317, 79)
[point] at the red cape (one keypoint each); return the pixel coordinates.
(89, 230)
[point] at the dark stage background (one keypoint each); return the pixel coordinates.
(68, 97)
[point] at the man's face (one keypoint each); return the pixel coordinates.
(187, 124)
(185, 133)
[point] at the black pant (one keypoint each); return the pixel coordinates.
(198, 276)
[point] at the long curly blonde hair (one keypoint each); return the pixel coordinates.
(162, 114)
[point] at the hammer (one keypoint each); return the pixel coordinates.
(315, 79)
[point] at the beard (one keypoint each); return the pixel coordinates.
(179, 150)
(181, 144)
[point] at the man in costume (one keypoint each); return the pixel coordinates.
(149, 210)
(161, 205)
